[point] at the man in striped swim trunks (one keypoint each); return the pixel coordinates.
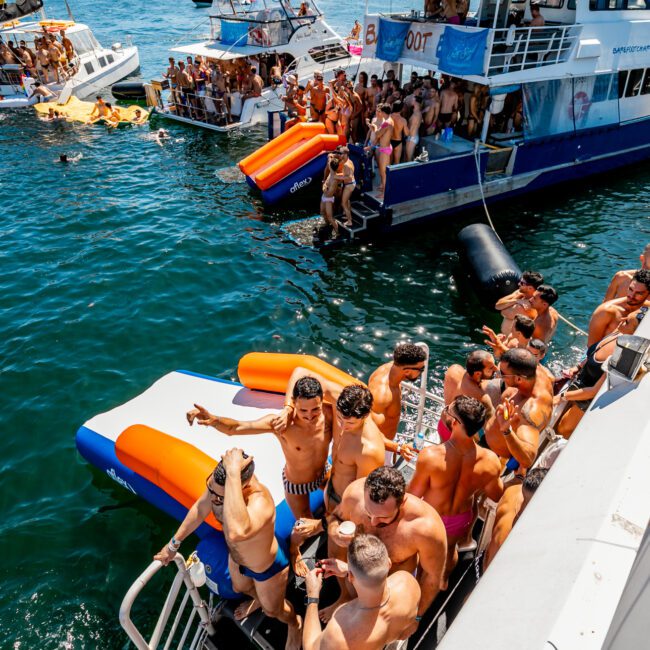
(305, 443)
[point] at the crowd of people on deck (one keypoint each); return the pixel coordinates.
(392, 545)
(50, 60)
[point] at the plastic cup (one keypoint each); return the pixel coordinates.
(197, 574)
(347, 528)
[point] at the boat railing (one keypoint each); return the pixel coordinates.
(514, 49)
(193, 633)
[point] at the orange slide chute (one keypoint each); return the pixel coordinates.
(295, 135)
(270, 371)
(177, 467)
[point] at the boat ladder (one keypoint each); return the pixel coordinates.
(197, 629)
(362, 215)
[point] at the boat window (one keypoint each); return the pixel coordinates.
(609, 5)
(89, 68)
(645, 87)
(326, 53)
(634, 83)
(571, 5)
(102, 61)
(84, 41)
(622, 79)
(110, 58)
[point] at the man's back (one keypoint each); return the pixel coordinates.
(386, 401)
(355, 628)
(454, 478)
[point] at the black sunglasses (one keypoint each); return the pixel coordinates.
(218, 498)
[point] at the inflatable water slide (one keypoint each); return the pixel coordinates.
(147, 446)
(292, 161)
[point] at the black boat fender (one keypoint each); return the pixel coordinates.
(128, 90)
(491, 267)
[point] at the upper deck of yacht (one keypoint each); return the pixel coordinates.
(497, 46)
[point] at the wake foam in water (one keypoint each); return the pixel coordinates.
(230, 175)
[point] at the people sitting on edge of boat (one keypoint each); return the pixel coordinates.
(523, 412)
(537, 20)
(385, 384)
(589, 376)
(304, 9)
(519, 301)
(450, 475)
(42, 92)
(257, 564)
(355, 32)
(522, 331)
(607, 315)
(547, 316)
(470, 381)
(411, 529)
(255, 85)
(383, 610)
(510, 507)
(621, 281)
(305, 444)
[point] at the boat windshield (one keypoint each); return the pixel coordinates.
(251, 9)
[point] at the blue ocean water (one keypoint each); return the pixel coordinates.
(140, 259)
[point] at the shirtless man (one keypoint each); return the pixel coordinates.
(431, 109)
(621, 281)
(256, 561)
(383, 133)
(330, 187)
(67, 46)
(510, 508)
(383, 611)
(470, 380)
(400, 131)
(39, 90)
(54, 54)
(346, 169)
(537, 19)
(411, 529)
(609, 314)
(255, 85)
(522, 331)
(358, 445)
(414, 124)
(450, 475)
(318, 97)
(524, 411)
(547, 317)
(475, 118)
(385, 384)
(43, 57)
(518, 302)
(305, 444)
(99, 112)
(448, 105)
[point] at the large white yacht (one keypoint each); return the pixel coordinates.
(259, 32)
(94, 67)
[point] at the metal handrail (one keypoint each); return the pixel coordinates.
(191, 592)
(530, 47)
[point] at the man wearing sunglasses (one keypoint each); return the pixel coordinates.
(525, 409)
(257, 564)
(305, 443)
(450, 475)
(410, 528)
(518, 302)
(385, 384)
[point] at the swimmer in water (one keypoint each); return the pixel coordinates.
(161, 135)
(139, 118)
(64, 158)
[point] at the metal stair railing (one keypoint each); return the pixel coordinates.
(201, 628)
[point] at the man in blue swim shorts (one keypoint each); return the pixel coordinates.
(257, 564)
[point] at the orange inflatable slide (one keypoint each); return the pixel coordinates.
(289, 162)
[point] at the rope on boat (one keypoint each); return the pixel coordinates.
(489, 218)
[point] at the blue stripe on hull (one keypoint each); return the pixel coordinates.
(577, 149)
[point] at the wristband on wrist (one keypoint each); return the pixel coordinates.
(418, 618)
(399, 448)
(508, 431)
(310, 600)
(290, 406)
(174, 544)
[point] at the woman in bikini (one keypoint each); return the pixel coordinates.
(332, 113)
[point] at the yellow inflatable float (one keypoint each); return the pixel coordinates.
(77, 110)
